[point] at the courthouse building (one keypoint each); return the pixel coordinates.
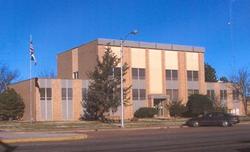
(158, 73)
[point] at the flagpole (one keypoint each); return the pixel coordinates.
(31, 104)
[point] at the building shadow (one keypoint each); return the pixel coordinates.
(6, 147)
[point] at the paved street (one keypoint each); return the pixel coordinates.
(233, 139)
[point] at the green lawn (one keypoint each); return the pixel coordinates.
(91, 125)
(84, 125)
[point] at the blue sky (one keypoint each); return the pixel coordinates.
(58, 25)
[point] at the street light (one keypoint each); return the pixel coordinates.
(134, 32)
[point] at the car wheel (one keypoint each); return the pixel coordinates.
(225, 124)
(195, 124)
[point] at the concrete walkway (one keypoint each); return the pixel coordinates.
(23, 137)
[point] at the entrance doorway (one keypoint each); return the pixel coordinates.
(159, 105)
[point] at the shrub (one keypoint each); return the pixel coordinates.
(198, 104)
(176, 109)
(11, 105)
(145, 112)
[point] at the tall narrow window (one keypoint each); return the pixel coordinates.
(223, 94)
(168, 74)
(75, 75)
(141, 74)
(235, 95)
(211, 94)
(135, 94)
(142, 94)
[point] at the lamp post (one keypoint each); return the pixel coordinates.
(134, 32)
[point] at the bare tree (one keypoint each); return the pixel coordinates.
(240, 83)
(6, 77)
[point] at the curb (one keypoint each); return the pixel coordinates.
(132, 129)
(45, 139)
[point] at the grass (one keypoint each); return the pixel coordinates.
(91, 125)
(84, 125)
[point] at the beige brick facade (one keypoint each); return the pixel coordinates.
(154, 60)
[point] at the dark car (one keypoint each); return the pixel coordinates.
(214, 119)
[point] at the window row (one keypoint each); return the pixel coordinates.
(139, 94)
(223, 94)
(46, 93)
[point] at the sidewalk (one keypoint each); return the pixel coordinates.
(10, 137)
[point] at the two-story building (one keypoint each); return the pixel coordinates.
(157, 72)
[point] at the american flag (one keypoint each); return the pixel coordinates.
(32, 53)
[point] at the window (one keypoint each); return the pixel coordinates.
(193, 91)
(75, 75)
(171, 74)
(138, 73)
(223, 94)
(135, 94)
(173, 94)
(211, 94)
(192, 75)
(142, 94)
(134, 74)
(45, 93)
(139, 94)
(141, 74)
(235, 94)
(67, 93)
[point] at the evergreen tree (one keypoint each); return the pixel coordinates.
(11, 105)
(210, 73)
(104, 90)
(224, 79)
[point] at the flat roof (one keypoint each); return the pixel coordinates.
(151, 45)
(140, 44)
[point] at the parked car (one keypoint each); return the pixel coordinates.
(214, 119)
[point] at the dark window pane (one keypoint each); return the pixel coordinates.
(70, 93)
(175, 95)
(168, 74)
(134, 73)
(142, 94)
(49, 93)
(63, 93)
(142, 74)
(135, 94)
(225, 94)
(195, 75)
(212, 95)
(189, 76)
(174, 75)
(42, 93)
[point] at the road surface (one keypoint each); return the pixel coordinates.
(202, 139)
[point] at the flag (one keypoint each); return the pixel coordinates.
(32, 53)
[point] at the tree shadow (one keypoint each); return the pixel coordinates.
(7, 147)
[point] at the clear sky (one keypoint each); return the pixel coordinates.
(221, 26)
